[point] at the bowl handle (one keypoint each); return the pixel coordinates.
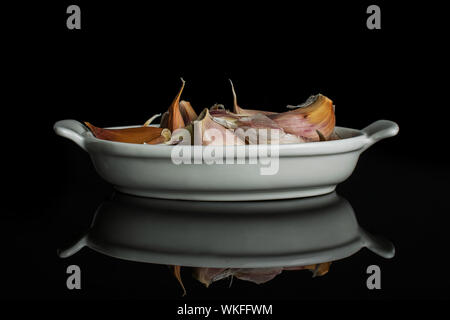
(378, 244)
(73, 130)
(379, 130)
(74, 248)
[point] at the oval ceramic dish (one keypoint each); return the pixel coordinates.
(303, 170)
(281, 233)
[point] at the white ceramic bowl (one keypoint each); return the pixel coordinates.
(304, 170)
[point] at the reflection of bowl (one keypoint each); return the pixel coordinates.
(304, 170)
(228, 234)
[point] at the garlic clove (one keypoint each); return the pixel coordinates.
(129, 135)
(175, 117)
(187, 112)
(164, 123)
(304, 121)
(257, 128)
(206, 131)
(163, 138)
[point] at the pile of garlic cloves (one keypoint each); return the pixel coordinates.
(311, 121)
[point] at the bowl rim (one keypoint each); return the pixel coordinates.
(356, 141)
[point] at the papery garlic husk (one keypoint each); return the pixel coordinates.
(245, 112)
(208, 132)
(149, 121)
(175, 119)
(187, 112)
(256, 129)
(164, 123)
(305, 121)
(163, 138)
(129, 135)
(225, 118)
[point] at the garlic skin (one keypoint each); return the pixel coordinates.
(208, 132)
(305, 121)
(149, 121)
(180, 113)
(187, 112)
(175, 118)
(163, 138)
(255, 129)
(129, 135)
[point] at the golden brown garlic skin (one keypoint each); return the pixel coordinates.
(128, 135)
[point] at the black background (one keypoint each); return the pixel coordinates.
(124, 65)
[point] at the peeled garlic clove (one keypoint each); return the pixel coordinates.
(208, 132)
(129, 135)
(246, 112)
(175, 118)
(304, 121)
(187, 112)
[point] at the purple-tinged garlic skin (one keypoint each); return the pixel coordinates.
(305, 121)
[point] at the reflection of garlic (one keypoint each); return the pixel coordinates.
(310, 121)
(207, 275)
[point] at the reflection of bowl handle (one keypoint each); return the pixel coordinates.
(73, 130)
(378, 244)
(69, 251)
(379, 130)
